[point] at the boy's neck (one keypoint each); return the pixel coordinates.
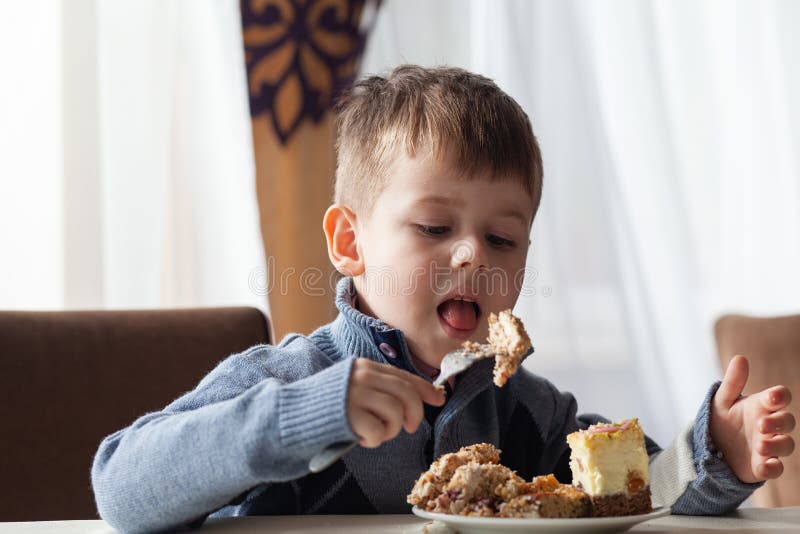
(426, 369)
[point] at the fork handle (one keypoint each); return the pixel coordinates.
(327, 457)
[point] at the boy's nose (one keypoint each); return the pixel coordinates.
(466, 253)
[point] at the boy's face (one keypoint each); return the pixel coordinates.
(435, 241)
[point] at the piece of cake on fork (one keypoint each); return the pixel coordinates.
(610, 463)
(507, 343)
(508, 336)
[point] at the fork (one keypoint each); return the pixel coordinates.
(460, 360)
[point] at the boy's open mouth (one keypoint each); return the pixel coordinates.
(459, 316)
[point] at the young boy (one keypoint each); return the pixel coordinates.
(438, 181)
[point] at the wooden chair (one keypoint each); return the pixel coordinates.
(772, 347)
(70, 378)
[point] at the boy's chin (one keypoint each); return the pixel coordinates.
(435, 352)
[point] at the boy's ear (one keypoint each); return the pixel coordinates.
(339, 224)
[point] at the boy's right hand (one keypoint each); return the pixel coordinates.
(382, 399)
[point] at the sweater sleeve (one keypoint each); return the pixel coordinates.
(239, 428)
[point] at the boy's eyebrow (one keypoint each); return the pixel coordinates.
(514, 214)
(438, 199)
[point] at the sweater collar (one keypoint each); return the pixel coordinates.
(368, 337)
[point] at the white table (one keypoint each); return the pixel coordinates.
(744, 521)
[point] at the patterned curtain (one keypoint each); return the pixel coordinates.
(300, 55)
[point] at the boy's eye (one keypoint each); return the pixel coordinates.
(497, 241)
(433, 230)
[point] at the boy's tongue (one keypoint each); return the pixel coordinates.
(459, 314)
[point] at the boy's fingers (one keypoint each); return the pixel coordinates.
(367, 427)
(776, 398)
(779, 422)
(430, 394)
(770, 468)
(384, 407)
(408, 397)
(776, 446)
(733, 382)
(427, 392)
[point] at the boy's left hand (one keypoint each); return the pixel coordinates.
(751, 431)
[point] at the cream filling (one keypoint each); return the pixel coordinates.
(607, 469)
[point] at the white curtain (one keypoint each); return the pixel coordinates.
(30, 152)
(130, 181)
(672, 177)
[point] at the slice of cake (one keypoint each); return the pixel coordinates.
(609, 462)
(430, 485)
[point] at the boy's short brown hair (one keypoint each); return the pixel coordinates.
(444, 109)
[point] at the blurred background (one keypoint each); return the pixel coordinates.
(158, 154)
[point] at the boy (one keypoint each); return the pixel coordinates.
(438, 181)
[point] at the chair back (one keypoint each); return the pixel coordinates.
(70, 378)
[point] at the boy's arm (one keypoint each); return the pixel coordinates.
(692, 477)
(238, 429)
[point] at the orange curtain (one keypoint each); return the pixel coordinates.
(300, 55)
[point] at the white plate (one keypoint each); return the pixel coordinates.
(481, 525)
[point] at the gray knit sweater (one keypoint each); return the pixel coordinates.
(241, 441)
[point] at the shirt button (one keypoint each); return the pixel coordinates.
(388, 350)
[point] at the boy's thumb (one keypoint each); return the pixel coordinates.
(733, 382)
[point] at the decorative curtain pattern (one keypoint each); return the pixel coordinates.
(300, 55)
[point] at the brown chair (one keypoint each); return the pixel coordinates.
(772, 347)
(68, 379)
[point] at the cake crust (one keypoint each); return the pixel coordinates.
(622, 504)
